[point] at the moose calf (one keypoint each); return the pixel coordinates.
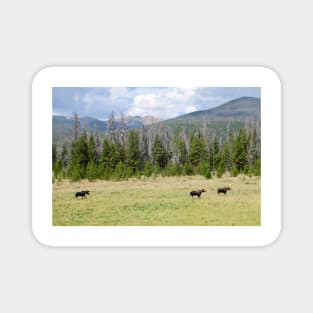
(197, 193)
(223, 190)
(82, 194)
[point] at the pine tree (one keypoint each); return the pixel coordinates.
(182, 151)
(54, 157)
(226, 156)
(113, 157)
(198, 150)
(75, 127)
(120, 153)
(97, 144)
(256, 168)
(213, 152)
(216, 151)
(132, 151)
(74, 168)
(92, 154)
(159, 153)
(148, 169)
(204, 169)
(258, 139)
(219, 164)
(91, 171)
(240, 154)
(144, 145)
(65, 156)
(81, 154)
(228, 147)
(188, 169)
(105, 157)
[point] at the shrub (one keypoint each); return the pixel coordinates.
(234, 171)
(91, 171)
(148, 169)
(208, 174)
(75, 174)
(119, 171)
(188, 169)
(256, 169)
(219, 172)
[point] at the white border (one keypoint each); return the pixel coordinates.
(50, 235)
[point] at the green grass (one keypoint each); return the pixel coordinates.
(161, 201)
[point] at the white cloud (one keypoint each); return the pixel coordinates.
(118, 92)
(160, 102)
(180, 94)
(190, 108)
(146, 104)
(163, 102)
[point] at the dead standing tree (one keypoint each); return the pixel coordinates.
(205, 132)
(97, 143)
(258, 138)
(229, 140)
(76, 127)
(186, 135)
(123, 131)
(166, 138)
(110, 133)
(144, 143)
(150, 135)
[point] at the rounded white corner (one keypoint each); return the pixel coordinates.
(272, 74)
(38, 238)
(41, 74)
(273, 237)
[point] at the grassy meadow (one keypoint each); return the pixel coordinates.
(161, 201)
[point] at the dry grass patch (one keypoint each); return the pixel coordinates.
(161, 201)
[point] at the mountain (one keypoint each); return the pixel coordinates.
(62, 126)
(239, 109)
(217, 120)
(236, 112)
(139, 121)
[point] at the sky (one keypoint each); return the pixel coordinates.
(161, 102)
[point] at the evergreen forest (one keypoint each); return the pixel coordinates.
(157, 150)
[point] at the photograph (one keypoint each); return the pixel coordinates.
(156, 156)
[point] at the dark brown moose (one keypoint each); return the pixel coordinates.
(197, 193)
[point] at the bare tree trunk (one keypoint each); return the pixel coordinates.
(258, 145)
(249, 131)
(150, 140)
(111, 128)
(123, 131)
(229, 140)
(97, 143)
(143, 143)
(186, 136)
(75, 127)
(205, 132)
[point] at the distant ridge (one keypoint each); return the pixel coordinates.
(237, 110)
(62, 126)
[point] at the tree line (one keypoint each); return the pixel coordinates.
(148, 151)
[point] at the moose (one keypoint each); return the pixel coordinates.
(197, 193)
(223, 190)
(82, 193)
